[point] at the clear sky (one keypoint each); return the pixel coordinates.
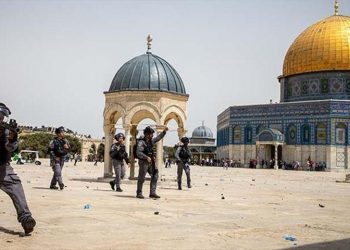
(58, 57)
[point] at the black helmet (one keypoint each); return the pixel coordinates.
(185, 140)
(59, 130)
(4, 110)
(148, 130)
(117, 136)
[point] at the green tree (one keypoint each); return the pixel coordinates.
(92, 149)
(101, 151)
(169, 151)
(40, 142)
(75, 144)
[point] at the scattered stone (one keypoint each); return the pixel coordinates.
(289, 237)
(156, 213)
(206, 184)
(320, 205)
(87, 206)
(253, 179)
(9, 241)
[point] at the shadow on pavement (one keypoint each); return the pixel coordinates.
(126, 196)
(42, 188)
(172, 188)
(334, 245)
(8, 231)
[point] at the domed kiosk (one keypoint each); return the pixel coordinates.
(312, 120)
(147, 86)
(202, 145)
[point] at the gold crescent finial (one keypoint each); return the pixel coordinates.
(149, 43)
(336, 8)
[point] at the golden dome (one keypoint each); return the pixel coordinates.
(324, 46)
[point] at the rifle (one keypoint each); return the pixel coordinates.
(11, 125)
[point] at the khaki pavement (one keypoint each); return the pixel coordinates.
(258, 209)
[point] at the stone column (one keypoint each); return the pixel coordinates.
(109, 133)
(258, 155)
(181, 132)
(159, 156)
(133, 134)
(127, 139)
(276, 157)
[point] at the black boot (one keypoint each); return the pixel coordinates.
(119, 190)
(53, 187)
(179, 186)
(112, 184)
(189, 185)
(28, 225)
(61, 186)
(140, 196)
(155, 196)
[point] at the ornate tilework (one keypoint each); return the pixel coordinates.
(324, 86)
(347, 86)
(314, 86)
(304, 87)
(336, 85)
(296, 90)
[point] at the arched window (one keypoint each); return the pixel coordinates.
(321, 133)
(340, 133)
(292, 134)
(237, 135)
(248, 134)
(305, 134)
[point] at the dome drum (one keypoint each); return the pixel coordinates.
(316, 86)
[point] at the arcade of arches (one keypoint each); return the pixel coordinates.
(134, 106)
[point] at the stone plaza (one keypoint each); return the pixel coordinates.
(237, 208)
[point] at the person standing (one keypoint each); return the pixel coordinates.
(10, 183)
(183, 156)
(146, 155)
(59, 147)
(76, 158)
(118, 155)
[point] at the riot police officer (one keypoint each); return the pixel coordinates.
(118, 155)
(146, 155)
(58, 148)
(183, 156)
(9, 181)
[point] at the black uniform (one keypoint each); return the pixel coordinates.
(183, 156)
(11, 184)
(118, 155)
(58, 154)
(144, 150)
